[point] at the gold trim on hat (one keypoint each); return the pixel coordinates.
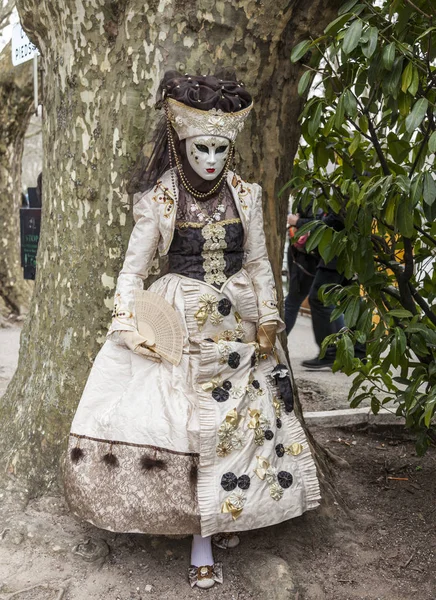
(190, 122)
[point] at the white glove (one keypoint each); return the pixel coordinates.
(134, 341)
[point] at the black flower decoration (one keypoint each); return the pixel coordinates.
(224, 307)
(234, 360)
(269, 434)
(220, 395)
(255, 384)
(253, 360)
(285, 479)
(280, 450)
(227, 385)
(244, 482)
(229, 481)
(278, 423)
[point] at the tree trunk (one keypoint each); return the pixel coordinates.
(103, 62)
(16, 96)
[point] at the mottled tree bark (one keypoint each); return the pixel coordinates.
(103, 62)
(16, 96)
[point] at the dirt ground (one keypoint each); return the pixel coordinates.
(381, 547)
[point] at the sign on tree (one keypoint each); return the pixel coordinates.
(22, 48)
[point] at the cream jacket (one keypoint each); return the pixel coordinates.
(155, 217)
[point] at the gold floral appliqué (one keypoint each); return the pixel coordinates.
(162, 196)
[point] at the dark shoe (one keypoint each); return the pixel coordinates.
(319, 363)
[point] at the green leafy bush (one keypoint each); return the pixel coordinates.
(368, 154)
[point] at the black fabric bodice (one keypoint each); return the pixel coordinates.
(208, 252)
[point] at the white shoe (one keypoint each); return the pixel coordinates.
(205, 577)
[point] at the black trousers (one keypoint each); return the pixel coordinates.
(302, 269)
(322, 326)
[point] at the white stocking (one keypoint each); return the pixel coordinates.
(201, 551)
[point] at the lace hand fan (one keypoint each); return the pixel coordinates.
(159, 324)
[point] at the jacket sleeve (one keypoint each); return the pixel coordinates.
(138, 262)
(258, 266)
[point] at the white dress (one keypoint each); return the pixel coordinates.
(206, 446)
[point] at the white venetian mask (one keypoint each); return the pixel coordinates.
(207, 155)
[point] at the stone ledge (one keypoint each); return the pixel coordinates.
(349, 417)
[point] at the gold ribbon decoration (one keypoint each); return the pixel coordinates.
(277, 407)
(234, 505)
(207, 304)
(294, 449)
(210, 385)
(233, 418)
(262, 467)
(201, 316)
(255, 415)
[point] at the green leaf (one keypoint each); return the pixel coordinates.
(340, 113)
(352, 313)
(369, 48)
(407, 76)
(430, 212)
(347, 6)
(300, 50)
(329, 125)
(392, 82)
(322, 155)
(429, 411)
(404, 104)
(333, 27)
(364, 324)
(333, 249)
(375, 404)
(398, 148)
(357, 382)
(363, 123)
(389, 56)
(390, 210)
(413, 87)
(352, 36)
(398, 346)
(355, 402)
(355, 143)
(417, 189)
(426, 32)
(417, 115)
(315, 120)
(350, 104)
(400, 313)
(405, 218)
(315, 237)
(361, 82)
(304, 82)
(345, 352)
(403, 183)
(401, 380)
(432, 142)
(325, 242)
(429, 191)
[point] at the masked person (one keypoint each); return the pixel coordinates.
(201, 444)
